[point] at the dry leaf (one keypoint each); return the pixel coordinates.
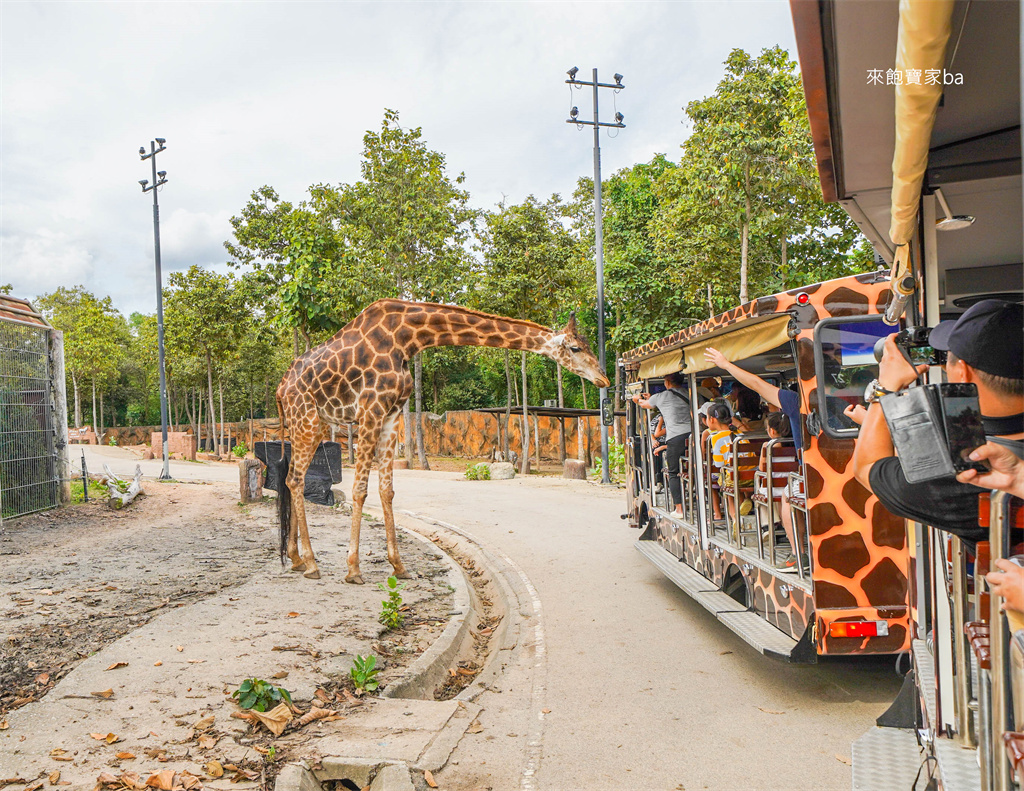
(294, 614)
(117, 665)
(208, 742)
(4, 725)
(429, 778)
(323, 695)
(274, 720)
(157, 663)
(126, 756)
(54, 777)
(189, 781)
(98, 736)
(179, 648)
(214, 769)
(163, 780)
(34, 786)
(104, 694)
(546, 711)
(43, 679)
(475, 727)
(769, 711)
(843, 760)
(280, 674)
(723, 653)
(205, 723)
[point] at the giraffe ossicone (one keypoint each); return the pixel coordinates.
(361, 376)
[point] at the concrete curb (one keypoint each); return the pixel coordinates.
(387, 775)
(427, 672)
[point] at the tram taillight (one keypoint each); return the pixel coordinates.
(858, 629)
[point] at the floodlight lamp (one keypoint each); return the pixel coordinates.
(618, 79)
(574, 112)
(160, 141)
(142, 151)
(162, 173)
(572, 72)
(619, 117)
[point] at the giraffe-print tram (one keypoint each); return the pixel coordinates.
(853, 598)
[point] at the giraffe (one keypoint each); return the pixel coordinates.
(361, 375)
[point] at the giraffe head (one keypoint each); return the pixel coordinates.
(571, 350)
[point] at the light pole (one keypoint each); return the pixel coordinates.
(606, 404)
(159, 179)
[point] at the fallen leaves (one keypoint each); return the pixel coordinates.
(157, 663)
(109, 738)
(179, 648)
(116, 665)
(43, 679)
(274, 720)
(214, 769)
(429, 778)
(58, 754)
(4, 725)
(475, 727)
(162, 780)
(53, 777)
(769, 711)
(106, 693)
(205, 723)
(208, 742)
(294, 614)
(126, 756)
(280, 674)
(843, 759)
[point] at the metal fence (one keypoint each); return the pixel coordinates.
(32, 441)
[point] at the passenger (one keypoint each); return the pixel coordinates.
(778, 426)
(1008, 582)
(674, 407)
(658, 448)
(720, 432)
(749, 411)
(985, 346)
(1006, 470)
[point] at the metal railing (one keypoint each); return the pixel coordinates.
(766, 479)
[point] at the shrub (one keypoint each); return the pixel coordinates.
(364, 672)
(391, 616)
(478, 472)
(240, 450)
(255, 693)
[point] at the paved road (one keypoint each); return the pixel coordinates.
(645, 689)
(122, 463)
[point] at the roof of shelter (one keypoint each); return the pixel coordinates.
(20, 311)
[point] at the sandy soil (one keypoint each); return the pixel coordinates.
(75, 580)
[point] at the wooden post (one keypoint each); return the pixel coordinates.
(561, 441)
(250, 480)
(536, 439)
(580, 454)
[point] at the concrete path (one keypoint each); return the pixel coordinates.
(628, 683)
(122, 463)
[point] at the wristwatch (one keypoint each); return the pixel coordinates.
(875, 391)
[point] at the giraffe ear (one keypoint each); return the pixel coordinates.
(571, 326)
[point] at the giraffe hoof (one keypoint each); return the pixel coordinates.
(354, 579)
(403, 575)
(312, 574)
(298, 567)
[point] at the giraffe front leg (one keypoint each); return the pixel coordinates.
(368, 435)
(385, 472)
(302, 455)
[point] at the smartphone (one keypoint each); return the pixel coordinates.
(961, 418)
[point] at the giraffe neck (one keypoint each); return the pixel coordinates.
(448, 325)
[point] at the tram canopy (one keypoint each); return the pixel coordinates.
(739, 344)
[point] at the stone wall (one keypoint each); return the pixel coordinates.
(469, 434)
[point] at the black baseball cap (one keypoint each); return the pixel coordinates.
(988, 336)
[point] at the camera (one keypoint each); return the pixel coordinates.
(913, 343)
(934, 429)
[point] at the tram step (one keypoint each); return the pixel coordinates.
(885, 759)
(747, 624)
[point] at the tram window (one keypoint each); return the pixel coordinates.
(845, 365)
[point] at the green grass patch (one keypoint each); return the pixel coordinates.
(96, 491)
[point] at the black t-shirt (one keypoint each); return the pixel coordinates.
(945, 504)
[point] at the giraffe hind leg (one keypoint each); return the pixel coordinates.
(369, 432)
(385, 474)
(302, 455)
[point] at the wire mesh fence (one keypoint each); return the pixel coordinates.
(30, 475)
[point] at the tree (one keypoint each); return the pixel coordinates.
(204, 319)
(528, 269)
(407, 218)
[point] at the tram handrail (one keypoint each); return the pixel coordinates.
(999, 544)
(965, 733)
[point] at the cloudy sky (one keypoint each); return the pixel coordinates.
(253, 93)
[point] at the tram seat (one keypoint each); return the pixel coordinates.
(983, 651)
(747, 451)
(976, 629)
(1015, 752)
(784, 461)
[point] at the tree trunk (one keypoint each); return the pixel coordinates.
(407, 420)
(711, 305)
(418, 386)
(223, 429)
(558, 376)
(581, 454)
(210, 410)
(782, 268)
(102, 421)
(78, 401)
(561, 440)
(295, 341)
(524, 460)
(536, 440)
(583, 387)
(95, 430)
(745, 237)
(503, 431)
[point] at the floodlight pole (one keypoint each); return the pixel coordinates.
(599, 246)
(159, 180)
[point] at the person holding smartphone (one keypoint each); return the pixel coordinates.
(985, 346)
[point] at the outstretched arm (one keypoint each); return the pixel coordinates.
(639, 400)
(763, 388)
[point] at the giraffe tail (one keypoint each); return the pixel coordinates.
(284, 504)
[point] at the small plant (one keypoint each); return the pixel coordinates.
(390, 614)
(478, 472)
(364, 673)
(240, 450)
(616, 460)
(271, 754)
(112, 441)
(255, 693)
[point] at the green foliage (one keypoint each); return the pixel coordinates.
(96, 492)
(112, 441)
(478, 472)
(364, 673)
(616, 461)
(255, 693)
(240, 450)
(391, 616)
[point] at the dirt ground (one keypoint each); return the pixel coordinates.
(75, 580)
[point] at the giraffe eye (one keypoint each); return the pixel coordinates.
(575, 349)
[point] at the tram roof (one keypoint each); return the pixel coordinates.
(974, 147)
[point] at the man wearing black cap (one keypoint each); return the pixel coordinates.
(985, 346)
